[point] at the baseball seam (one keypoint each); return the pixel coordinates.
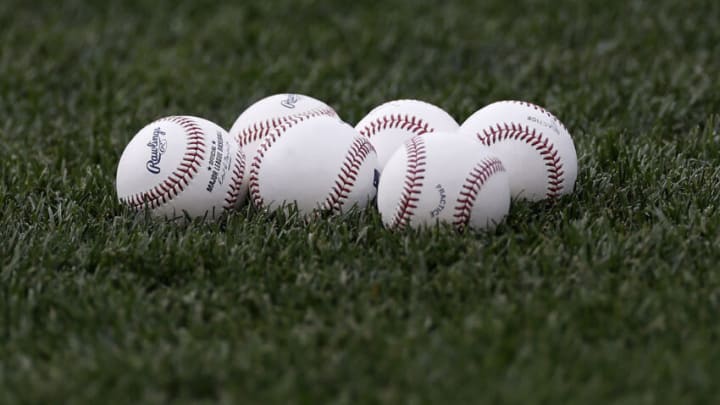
(542, 111)
(179, 178)
(412, 185)
(535, 139)
(410, 123)
(474, 183)
(348, 174)
(238, 171)
(260, 129)
(270, 139)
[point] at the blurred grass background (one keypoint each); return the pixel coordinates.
(609, 296)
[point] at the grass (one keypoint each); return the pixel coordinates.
(611, 295)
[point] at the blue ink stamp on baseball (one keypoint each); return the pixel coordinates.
(158, 146)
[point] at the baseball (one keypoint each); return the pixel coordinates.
(253, 124)
(181, 165)
(390, 124)
(443, 178)
(317, 164)
(535, 147)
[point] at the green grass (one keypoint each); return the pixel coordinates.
(611, 295)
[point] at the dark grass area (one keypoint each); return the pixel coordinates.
(611, 295)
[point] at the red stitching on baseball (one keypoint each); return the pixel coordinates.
(238, 171)
(541, 110)
(414, 176)
(270, 139)
(359, 151)
(538, 141)
(475, 181)
(176, 181)
(260, 129)
(410, 123)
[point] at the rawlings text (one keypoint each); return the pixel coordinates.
(290, 101)
(158, 146)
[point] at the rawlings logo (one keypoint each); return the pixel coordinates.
(158, 146)
(290, 101)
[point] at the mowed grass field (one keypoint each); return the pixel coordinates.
(609, 295)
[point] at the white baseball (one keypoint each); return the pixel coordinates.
(256, 122)
(181, 165)
(443, 177)
(391, 124)
(318, 164)
(535, 147)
